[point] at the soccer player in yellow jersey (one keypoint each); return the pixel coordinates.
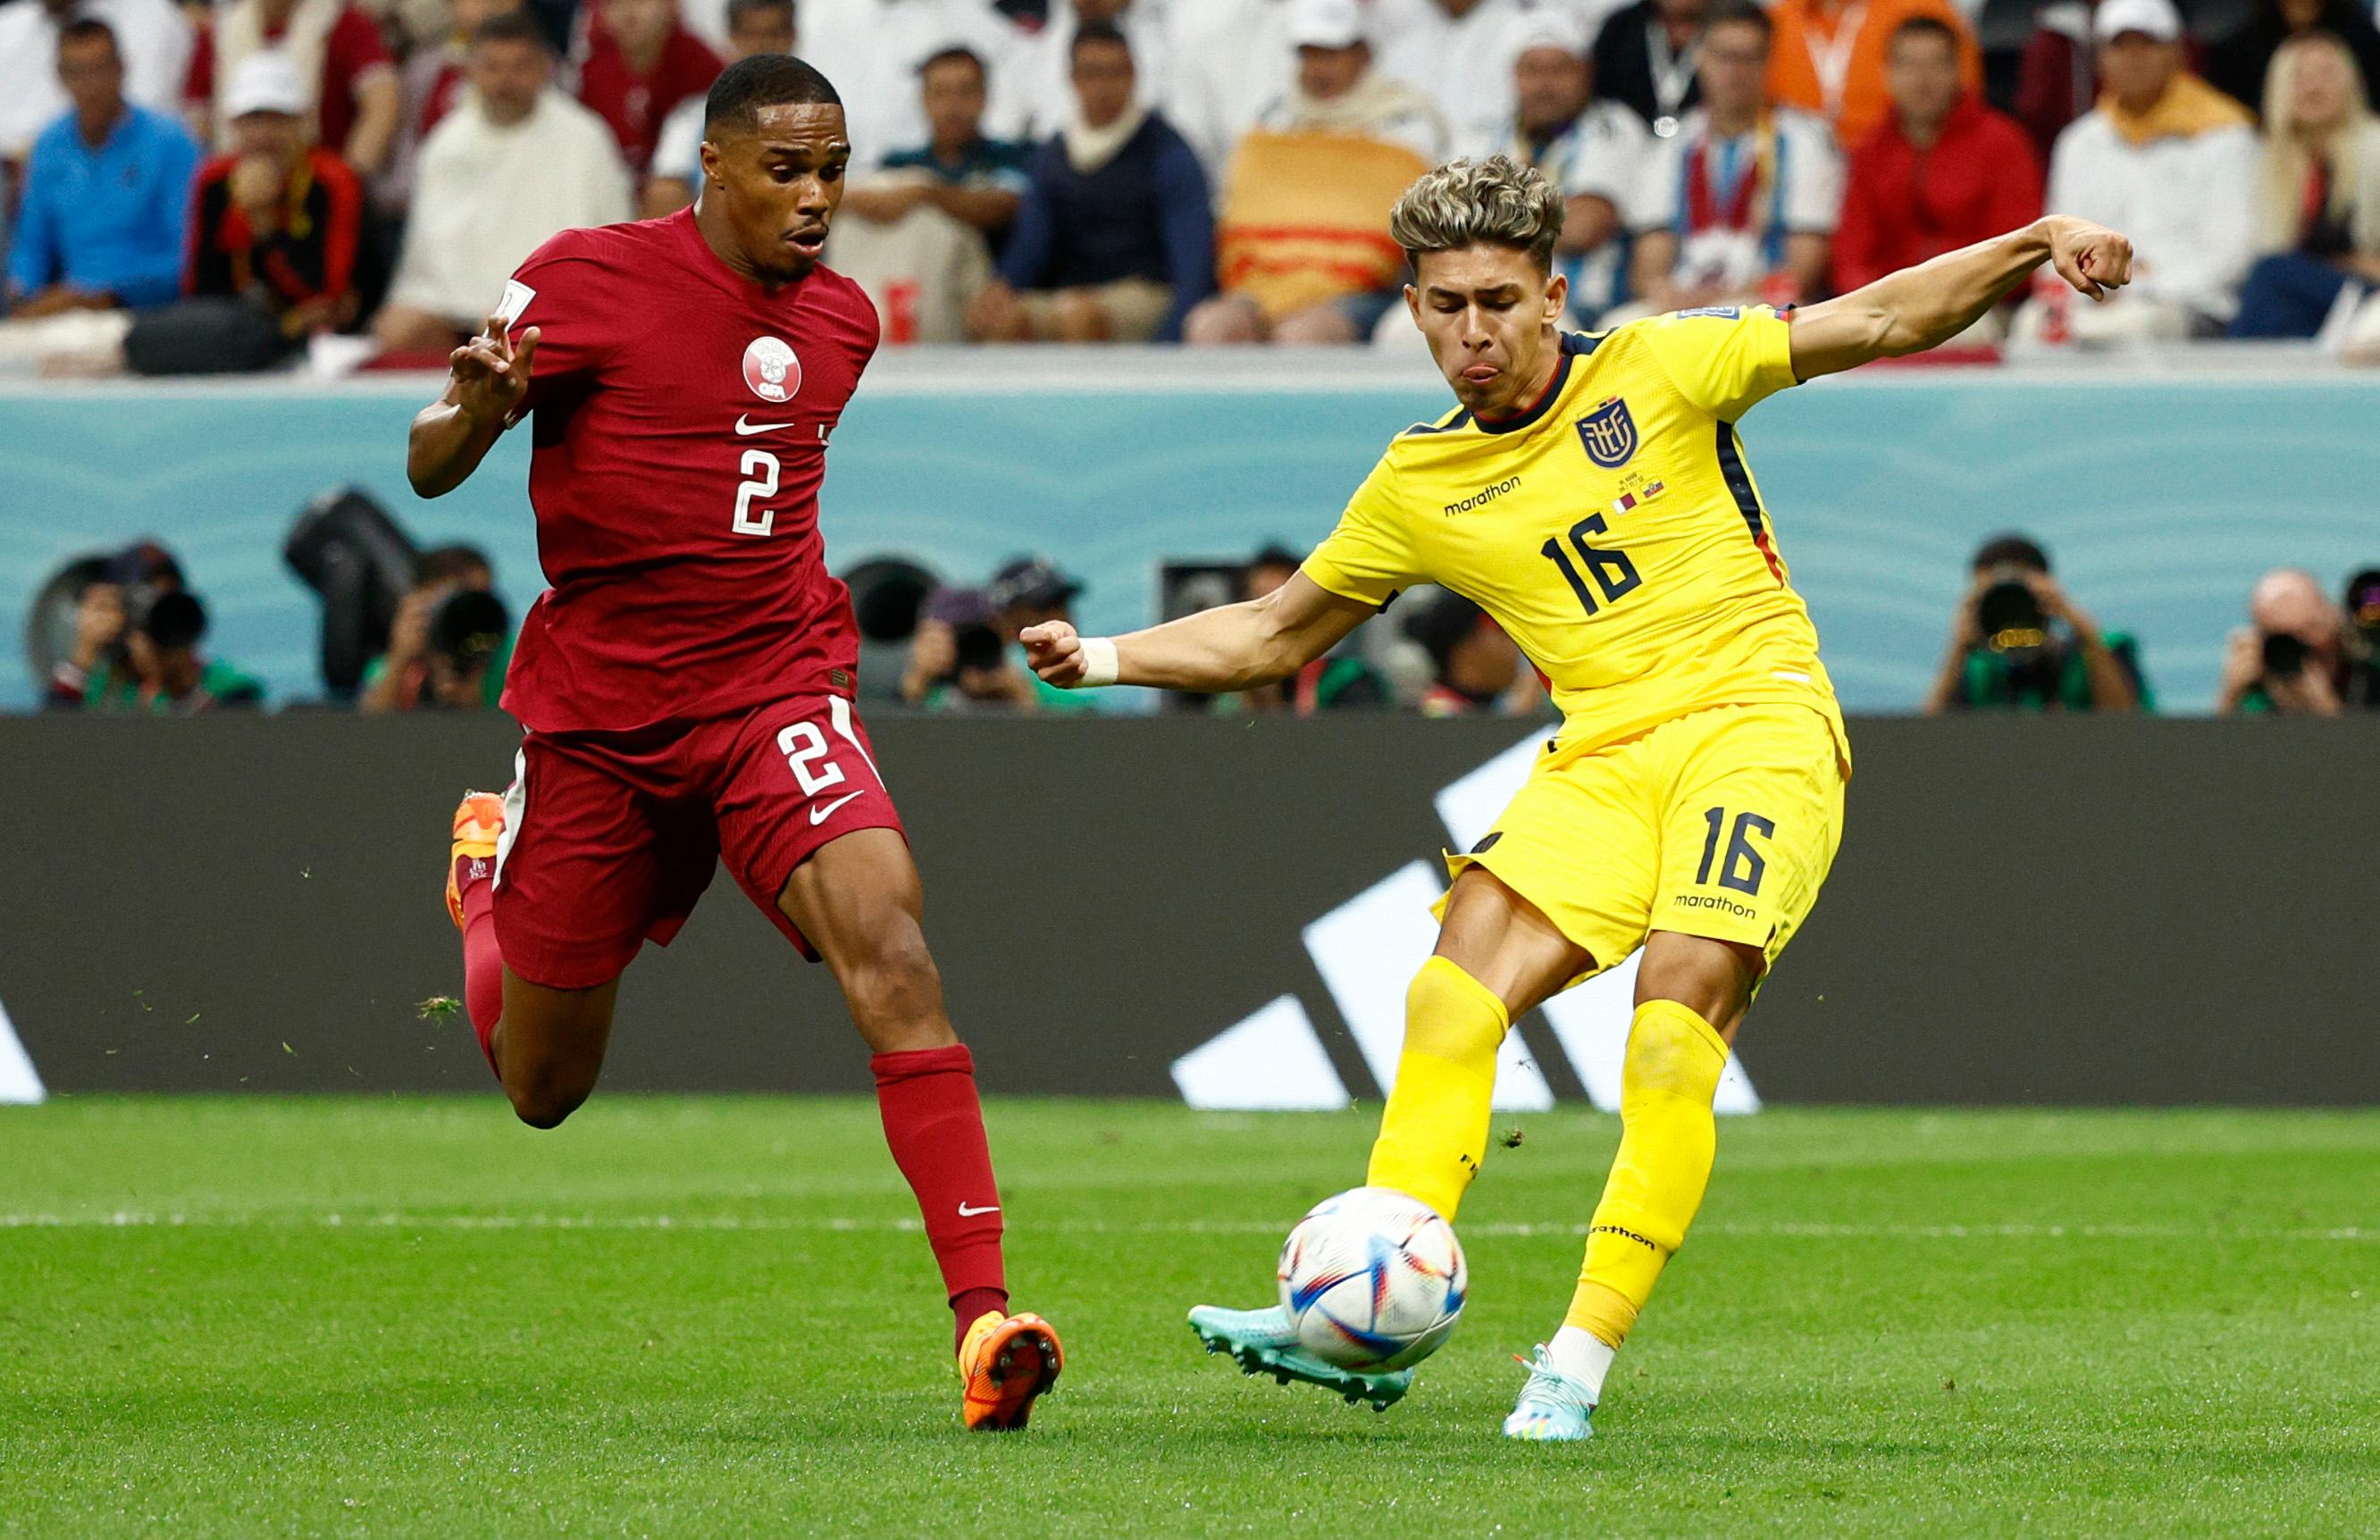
(1591, 492)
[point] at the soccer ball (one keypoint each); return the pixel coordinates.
(1372, 1279)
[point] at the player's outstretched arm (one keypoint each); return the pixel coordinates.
(487, 378)
(1926, 306)
(1236, 647)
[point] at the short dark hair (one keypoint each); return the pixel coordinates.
(1096, 32)
(956, 53)
(2011, 551)
(1276, 555)
(739, 9)
(764, 80)
(513, 26)
(1924, 27)
(449, 564)
(90, 29)
(1747, 12)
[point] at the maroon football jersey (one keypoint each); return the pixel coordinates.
(680, 416)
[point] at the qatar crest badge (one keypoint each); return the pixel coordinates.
(772, 368)
(1609, 434)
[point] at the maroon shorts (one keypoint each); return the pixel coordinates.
(610, 838)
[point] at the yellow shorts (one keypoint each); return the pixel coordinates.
(1721, 823)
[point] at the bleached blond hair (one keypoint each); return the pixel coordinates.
(1496, 202)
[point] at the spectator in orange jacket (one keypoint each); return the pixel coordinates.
(1829, 58)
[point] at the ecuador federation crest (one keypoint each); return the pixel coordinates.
(1609, 434)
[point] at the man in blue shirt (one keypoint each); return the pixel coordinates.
(105, 221)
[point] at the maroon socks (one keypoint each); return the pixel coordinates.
(934, 1125)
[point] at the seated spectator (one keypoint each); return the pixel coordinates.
(1339, 680)
(2057, 80)
(1827, 57)
(352, 99)
(1475, 668)
(107, 207)
(640, 64)
(1940, 171)
(959, 663)
(2019, 643)
(429, 83)
(451, 642)
(2318, 213)
(100, 655)
(754, 26)
(871, 49)
(1231, 60)
(919, 234)
(1026, 592)
(1300, 252)
(515, 162)
(152, 38)
(2169, 160)
(1593, 151)
(2241, 63)
(1114, 241)
(1047, 78)
(1740, 205)
(1646, 60)
(137, 647)
(1460, 53)
(2296, 656)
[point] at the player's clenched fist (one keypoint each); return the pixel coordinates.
(2095, 259)
(490, 374)
(1055, 650)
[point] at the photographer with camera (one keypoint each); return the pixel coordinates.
(451, 640)
(2019, 643)
(958, 661)
(136, 646)
(2298, 655)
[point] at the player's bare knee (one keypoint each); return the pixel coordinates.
(895, 985)
(543, 1098)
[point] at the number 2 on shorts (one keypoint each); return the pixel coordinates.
(805, 748)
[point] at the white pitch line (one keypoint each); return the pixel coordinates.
(1779, 1230)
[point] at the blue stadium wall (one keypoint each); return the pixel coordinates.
(2159, 496)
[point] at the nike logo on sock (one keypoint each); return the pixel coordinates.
(966, 1213)
(820, 815)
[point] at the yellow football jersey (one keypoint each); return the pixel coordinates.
(1613, 530)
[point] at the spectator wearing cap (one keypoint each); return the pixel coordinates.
(2169, 160)
(1739, 205)
(1114, 241)
(349, 96)
(1593, 152)
(1231, 60)
(1042, 68)
(515, 161)
(1829, 58)
(1941, 171)
(106, 205)
(438, 643)
(2241, 63)
(2297, 656)
(1460, 53)
(152, 40)
(2018, 642)
(754, 27)
(871, 49)
(2318, 208)
(1338, 681)
(1302, 248)
(1475, 668)
(1026, 592)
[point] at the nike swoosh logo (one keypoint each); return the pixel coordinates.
(820, 815)
(966, 1213)
(746, 427)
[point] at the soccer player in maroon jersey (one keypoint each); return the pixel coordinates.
(684, 685)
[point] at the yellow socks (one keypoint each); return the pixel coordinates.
(1434, 1132)
(1668, 1137)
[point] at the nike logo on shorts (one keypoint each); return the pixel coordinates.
(966, 1213)
(820, 815)
(746, 427)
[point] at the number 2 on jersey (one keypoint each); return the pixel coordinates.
(761, 482)
(1613, 571)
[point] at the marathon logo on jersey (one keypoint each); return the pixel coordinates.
(772, 368)
(1609, 434)
(1482, 497)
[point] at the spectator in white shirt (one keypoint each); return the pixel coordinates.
(515, 162)
(1593, 151)
(1045, 69)
(1232, 59)
(152, 37)
(1740, 205)
(2169, 160)
(1460, 53)
(754, 26)
(871, 50)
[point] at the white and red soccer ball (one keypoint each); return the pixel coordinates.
(1372, 1280)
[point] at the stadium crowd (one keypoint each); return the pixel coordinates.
(200, 187)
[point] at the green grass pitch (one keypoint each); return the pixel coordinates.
(715, 1317)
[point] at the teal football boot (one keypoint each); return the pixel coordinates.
(1263, 1343)
(1553, 1407)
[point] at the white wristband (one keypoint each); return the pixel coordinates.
(1099, 664)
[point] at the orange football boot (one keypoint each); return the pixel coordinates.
(478, 823)
(1006, 1362)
